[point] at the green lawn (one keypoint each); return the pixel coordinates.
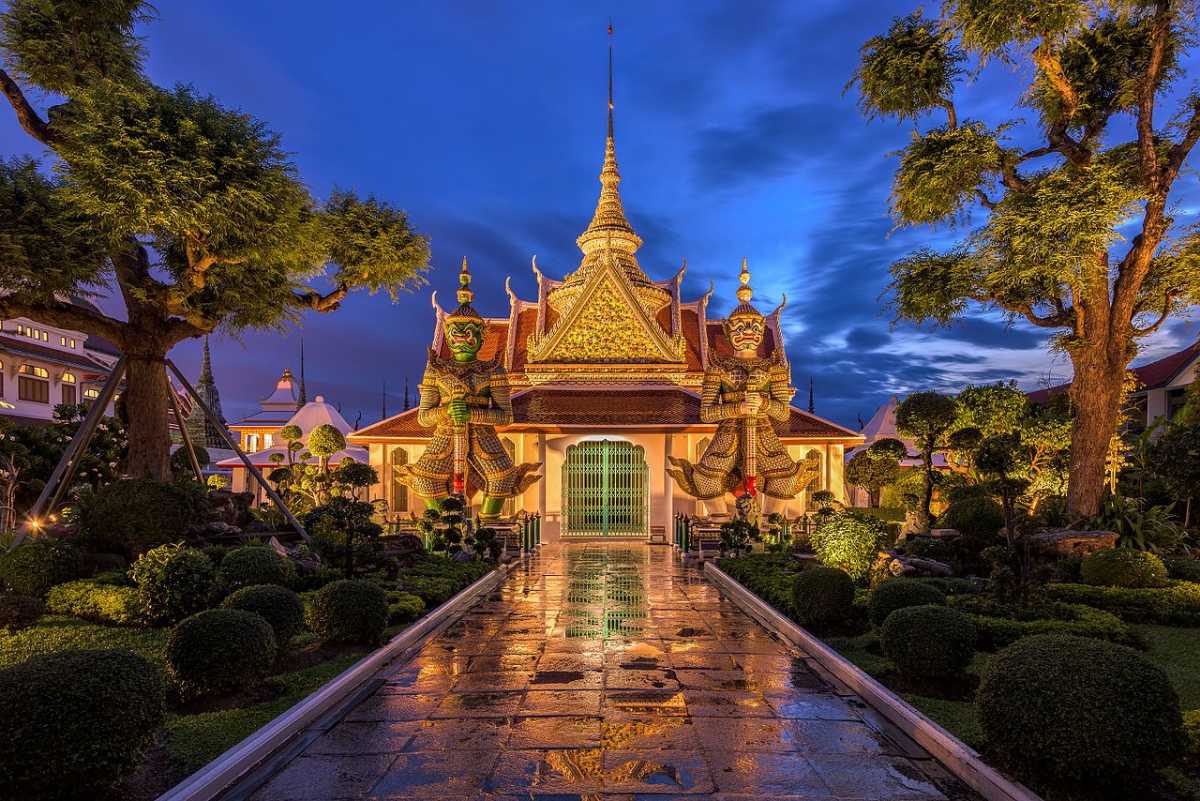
(1177, 651)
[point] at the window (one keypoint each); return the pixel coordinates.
(251, 443)
(67, 342)
(399, 488)
(91, 393)
(32, 384)
(33, 333)
(268, 440)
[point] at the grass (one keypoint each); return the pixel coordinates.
(195, 740)
(1177, 652)
(55, 633)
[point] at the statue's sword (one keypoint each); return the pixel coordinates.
(752, 455)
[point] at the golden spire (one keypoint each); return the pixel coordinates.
(465, 311)
(744, 293)
(609, 224)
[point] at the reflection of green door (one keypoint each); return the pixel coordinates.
(604, 488)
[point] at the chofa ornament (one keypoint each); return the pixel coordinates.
(463, 399)
(744, 394)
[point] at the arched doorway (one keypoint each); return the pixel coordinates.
(605, 489)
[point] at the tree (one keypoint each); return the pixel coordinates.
(875, 467)
(323, 442)
(1050, 248)
(927, 418)
(193, 212)
(1176, 459)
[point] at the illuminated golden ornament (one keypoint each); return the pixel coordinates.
(744, 294)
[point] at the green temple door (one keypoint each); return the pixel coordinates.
(605, 489)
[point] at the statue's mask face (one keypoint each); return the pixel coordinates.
(464, 339)
(745, 333)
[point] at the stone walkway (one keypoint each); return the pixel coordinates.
(609, 672)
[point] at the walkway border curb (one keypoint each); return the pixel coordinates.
(223, 772)
(956, 756)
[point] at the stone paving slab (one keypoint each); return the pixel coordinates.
(609, 672)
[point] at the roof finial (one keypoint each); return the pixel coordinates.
(610, 78)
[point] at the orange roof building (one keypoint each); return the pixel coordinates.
(605, 366)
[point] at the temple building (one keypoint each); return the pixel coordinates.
(605, 366)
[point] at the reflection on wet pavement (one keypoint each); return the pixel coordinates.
(613, 672)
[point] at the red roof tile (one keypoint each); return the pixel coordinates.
(403, 425)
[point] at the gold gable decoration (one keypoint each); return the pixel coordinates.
(606, 324)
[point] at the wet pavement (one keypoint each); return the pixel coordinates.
(609, 672)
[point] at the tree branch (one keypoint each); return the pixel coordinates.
(1168, 303)
(951, 114)
(33, 124)
(1159, 31)
(322, 303)
(66, 315)
(1179, 152)
(1052, 68)
(984, 199)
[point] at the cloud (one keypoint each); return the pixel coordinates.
(985, 332)
(862, 338)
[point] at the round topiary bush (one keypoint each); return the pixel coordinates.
(974, 515)
(928, 642)
(848, 541)
(279, 606)
(72, 724)
(822, 596)
(254, 564)
(349, 610)
(133, 515)
(173, 581)
(1124, 567)
(220, 649)
(899, 593)
(20, 611)
(404, 607)
(35, 566)
(1079, 711)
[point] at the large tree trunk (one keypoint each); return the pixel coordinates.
(147, 408)
(1096, 395)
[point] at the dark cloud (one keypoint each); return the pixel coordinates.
(867, 338)
(990, 334)
(767, 144)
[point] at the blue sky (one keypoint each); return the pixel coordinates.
(485, 121)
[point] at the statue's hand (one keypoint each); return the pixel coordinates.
(751, 405)
(458, 411)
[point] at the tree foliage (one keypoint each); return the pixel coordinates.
(1068, 205)
(193, 211)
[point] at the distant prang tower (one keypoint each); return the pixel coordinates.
(200, 430)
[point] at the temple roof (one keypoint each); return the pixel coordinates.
(551, 409)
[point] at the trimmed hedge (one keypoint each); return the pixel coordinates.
(999, 625)
(220, 649)
(72, 724)
(1177, 604)
(350, 610)
(1123, 567)
(1072, 710)
(404, 607)
(133, 515)
(173, 581)
(928, 642)
(899, 593)
(1183, 568)
(35, 566)
(279, 606)
(822, 596)
(254, 564)
(769, 576)
(97, 601)
(19, 611)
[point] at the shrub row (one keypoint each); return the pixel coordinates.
(173, 581)
(1177, 604)
(999, 625)
(97, 601)
(769, 576)
(349, 611)
(899, 593)
(218, 650)
(822, 597)
(280, 607)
